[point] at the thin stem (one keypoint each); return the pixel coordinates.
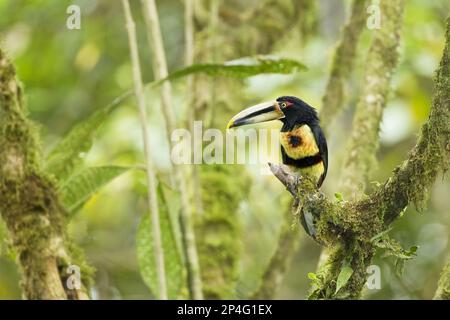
(160, 72)
(151, 179)
(189, 34)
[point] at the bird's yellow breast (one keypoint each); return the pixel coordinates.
(299, 142)
(314, 171)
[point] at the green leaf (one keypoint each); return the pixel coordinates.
(381, 234)
(68, 154)
(393, 248)
(83, 185)
(174, 267)
(338, 197)
(312, 276)
(343, 277)
(413, 250)
(241, 68)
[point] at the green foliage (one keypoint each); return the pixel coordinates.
(68, 154)
(380, 235)
(343, 277)
(175, 273)
(312, 276)
(218, 228)
(85, 68)
(80, 187)
(339, 197)
(242, 68)
(393, 248)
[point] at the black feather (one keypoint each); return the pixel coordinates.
(323, 150)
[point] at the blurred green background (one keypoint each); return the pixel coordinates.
(68, 74)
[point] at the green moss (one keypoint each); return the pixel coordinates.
(443, 290)
(218, 228)
(343, 61)
(382, 60)
(29, 203)
(348, 227)
(288, 241)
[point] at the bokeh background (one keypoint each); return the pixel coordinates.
(68, 74)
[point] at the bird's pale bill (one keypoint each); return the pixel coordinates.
(266, 111)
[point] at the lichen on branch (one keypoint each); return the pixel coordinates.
(347, 227)
(382, 60)
(343, 61)
(29, 203)
(443, 290)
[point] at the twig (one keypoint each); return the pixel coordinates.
(283, 174)
(189, 33)
(160, 71)
(151, 179)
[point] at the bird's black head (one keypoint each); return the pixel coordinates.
(296, 111)
(290, 110)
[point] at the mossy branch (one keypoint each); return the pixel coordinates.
(382, 60)
(348, 226)
(343, 62)
(29, 203)
(288, 243)
(443, 290)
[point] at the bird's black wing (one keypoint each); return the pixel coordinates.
(323, 149)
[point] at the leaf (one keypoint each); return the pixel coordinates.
(381, 234)
(67, 155)
(174, 207)
(393, 248)
(343, 277)
(241, 68)
(413, 250)
(312, 276)
(338, 197)
(83, 185)
(146, 255)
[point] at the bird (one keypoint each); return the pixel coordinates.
(302, 141)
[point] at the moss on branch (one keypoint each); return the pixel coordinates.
(288, 242)
(443, 290)
(382, 60)
(29, 204)
(218, 229)
(347, 227)
(413, 179)
(343, 61)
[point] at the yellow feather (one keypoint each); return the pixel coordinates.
(307, 147)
